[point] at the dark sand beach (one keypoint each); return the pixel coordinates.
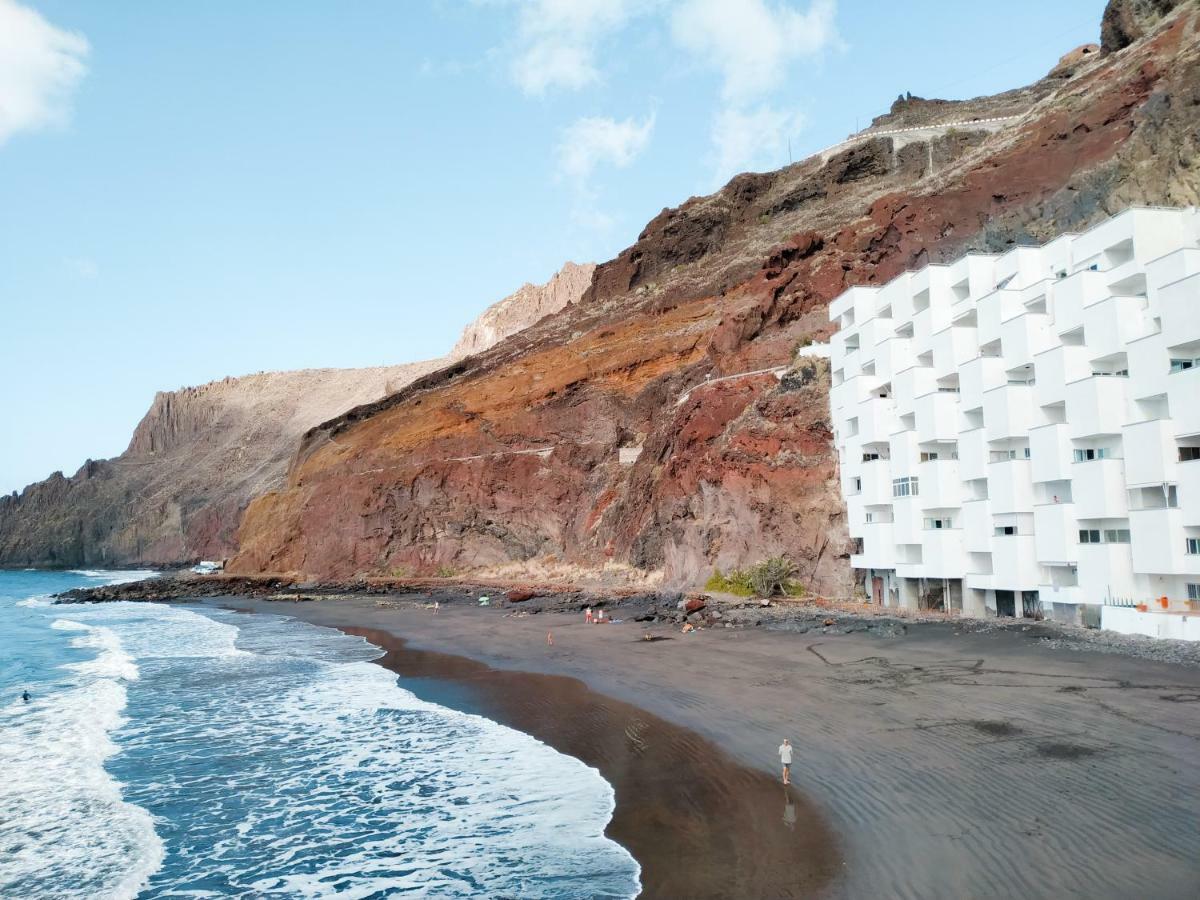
(948, 763)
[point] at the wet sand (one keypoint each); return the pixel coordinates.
(949, 764)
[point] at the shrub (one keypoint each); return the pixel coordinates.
(737, 582)
(446, 572)
(769, 578)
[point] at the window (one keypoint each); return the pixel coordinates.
(1107, 536)
(870, 457)
(1092, 453)
(1182, 365)
(929, 457)
(1005, 530)
(1193, 546)
(935, 524)
(1005, 455)
(857, 485)
(1188, 454)
(904, 487)
(1193, 591)
(870, 517)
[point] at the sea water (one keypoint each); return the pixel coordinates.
(173, 752)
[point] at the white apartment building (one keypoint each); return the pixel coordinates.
(1019, 434)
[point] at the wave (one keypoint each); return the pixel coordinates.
(111, 660)
(65, 822)
(117, 576)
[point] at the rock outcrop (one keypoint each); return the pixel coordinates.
(201, 454)
(521, 309)
(663, 424)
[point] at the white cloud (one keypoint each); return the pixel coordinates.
(557, 41)
(752, 43)
(751, 139)
(593, 140)
(40, 65)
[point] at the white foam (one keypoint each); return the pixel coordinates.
(65, 824)
(116, 576)
(111, 660)
(40, 600)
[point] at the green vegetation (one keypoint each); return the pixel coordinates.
(446, 572)
(774, 577)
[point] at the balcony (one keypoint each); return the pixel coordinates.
(892, 356)
(952, 348)
(978, 375)
(879, 550)
(1097, 405)
(937, 416)
(1157, 542)
(972, 454)
(1098, 487)
(876, 482)
(1179, 306)
(1025, 335)
(1050, 452)
(1010, 486)
(1055, 533)
(910, 383)
(1056, 368)
(1106, 571)
(1150, 454)
(1072, 295)
(1149, 368)
(1188, 475)
(876, 421)
(942, 553)
(1058, 593)
(907, 520)
(1182, 390)
(976, 522)
(1008, 411)
(1014, 563)
(1112, 323)
(941, 487)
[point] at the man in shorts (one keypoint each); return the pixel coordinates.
(785, 757)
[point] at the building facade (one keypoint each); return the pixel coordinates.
(1019, 434)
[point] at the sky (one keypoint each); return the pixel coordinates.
(190, 190)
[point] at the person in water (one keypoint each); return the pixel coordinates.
(25, 696)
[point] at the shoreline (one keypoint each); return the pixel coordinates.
(948, 762)
(698, 823)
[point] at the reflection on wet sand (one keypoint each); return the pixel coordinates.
(700, 824)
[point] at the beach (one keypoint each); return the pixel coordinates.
(934, 762)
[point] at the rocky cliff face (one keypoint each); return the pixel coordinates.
(663, 424)
(201, 454)
(527, 305)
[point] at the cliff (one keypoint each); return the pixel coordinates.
(519, 310)
(663, 425)
(200, 454)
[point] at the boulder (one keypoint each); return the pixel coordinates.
(693, 604)
(519, 595)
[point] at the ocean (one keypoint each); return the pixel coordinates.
(171, 752)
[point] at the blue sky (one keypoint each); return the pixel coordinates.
(194, 190)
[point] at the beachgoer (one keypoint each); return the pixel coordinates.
(587, 616)
(785, 757)
(600, 617)
(436, 607)
(25, 696)
(549, 638)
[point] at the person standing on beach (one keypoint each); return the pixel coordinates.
(785, 757)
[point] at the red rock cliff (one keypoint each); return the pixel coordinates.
(623, 433)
